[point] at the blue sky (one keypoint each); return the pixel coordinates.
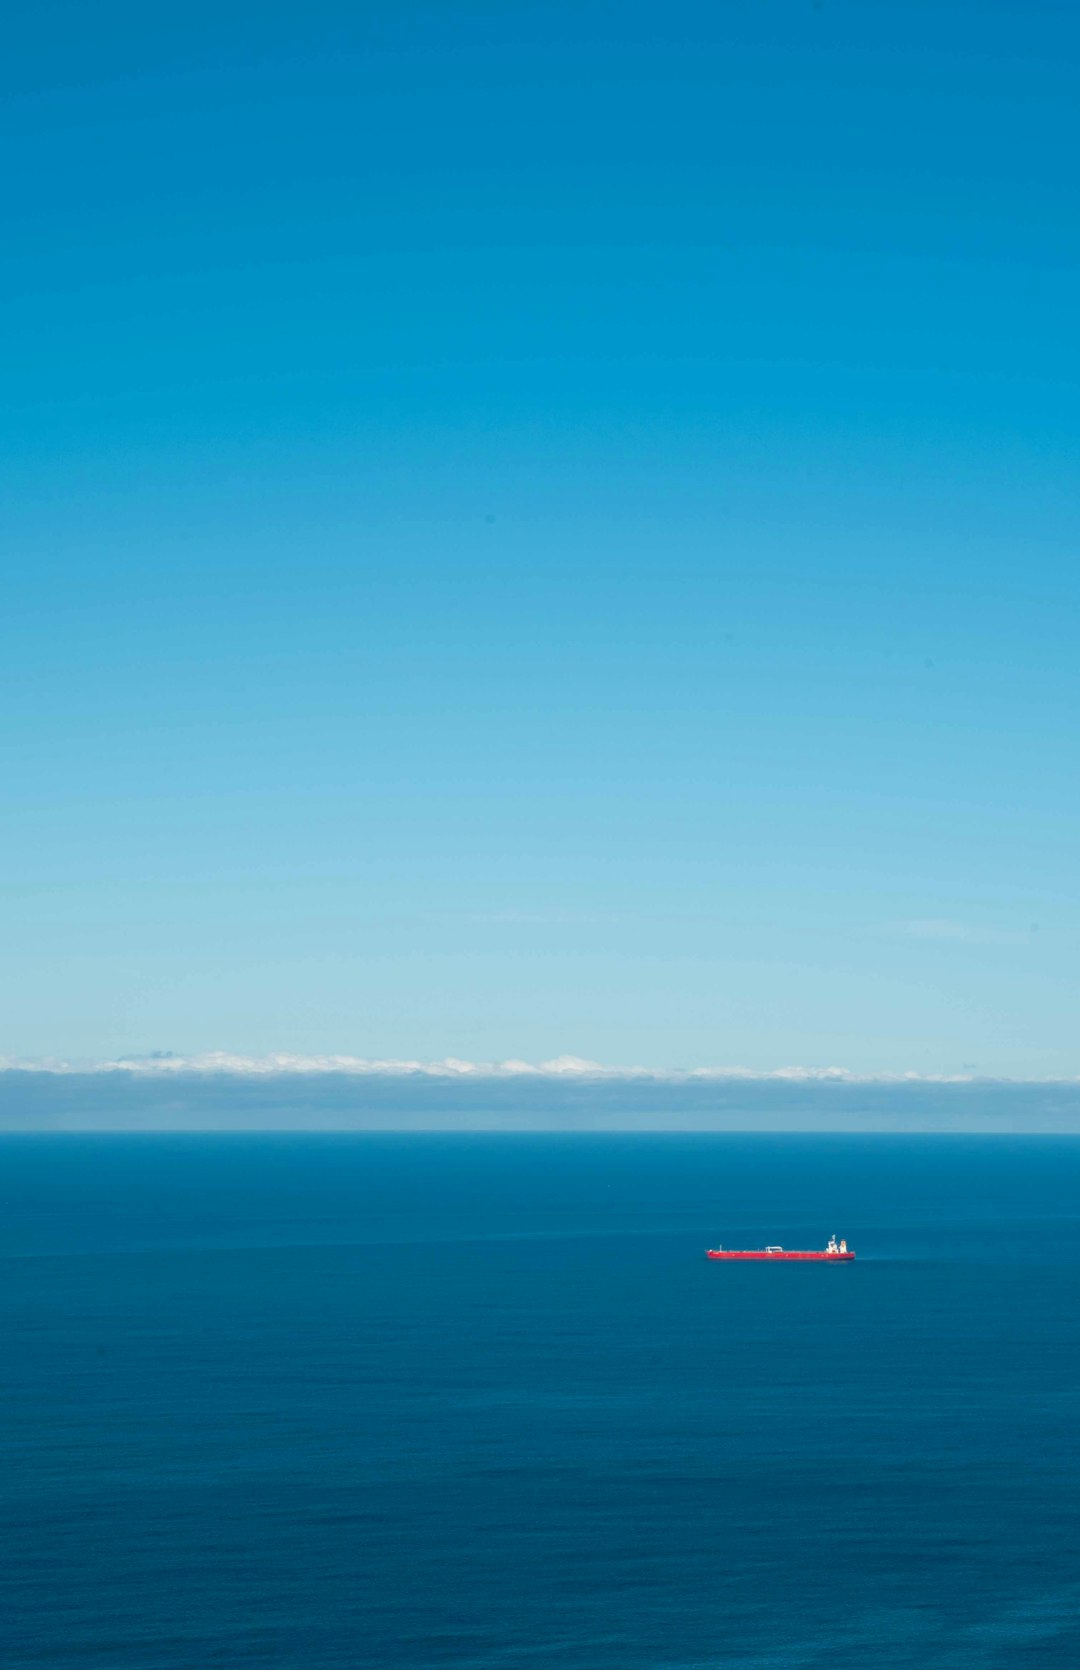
(542, 528)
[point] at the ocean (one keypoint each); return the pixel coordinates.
(345, 1401)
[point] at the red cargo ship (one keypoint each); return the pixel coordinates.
(835, 1253)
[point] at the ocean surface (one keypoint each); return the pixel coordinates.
(336, 1402)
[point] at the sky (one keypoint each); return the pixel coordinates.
(542, 529)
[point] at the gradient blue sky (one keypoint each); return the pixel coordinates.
(539, 528)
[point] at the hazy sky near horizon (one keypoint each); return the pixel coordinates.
(542, 528)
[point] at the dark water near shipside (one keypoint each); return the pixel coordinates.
(470, 1401)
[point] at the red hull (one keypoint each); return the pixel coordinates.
(779, 1257)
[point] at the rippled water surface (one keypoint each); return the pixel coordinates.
(345, 1402)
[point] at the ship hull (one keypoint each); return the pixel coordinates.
(786, 1257)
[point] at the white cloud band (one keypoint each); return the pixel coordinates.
(562, 1068)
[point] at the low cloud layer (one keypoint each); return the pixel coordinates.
(221, 1092)
(562, 1069)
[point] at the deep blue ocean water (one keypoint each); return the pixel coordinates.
(473, 1401)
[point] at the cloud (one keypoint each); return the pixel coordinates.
(165, 1064)
(934, 927)
(946, 929)
(284, 1092)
